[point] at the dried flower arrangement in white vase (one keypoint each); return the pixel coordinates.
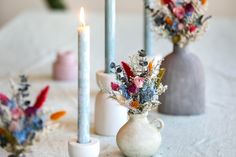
(137, 87)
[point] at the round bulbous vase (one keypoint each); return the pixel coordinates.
(186, 84)
(110, 116)
(138, 137)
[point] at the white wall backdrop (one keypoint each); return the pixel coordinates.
(11, 8)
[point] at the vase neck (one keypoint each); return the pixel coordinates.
(142, 116)
(178, 49)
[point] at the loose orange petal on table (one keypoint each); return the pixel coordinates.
(58, 115)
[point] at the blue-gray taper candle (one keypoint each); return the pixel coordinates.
(84, 85)
(147, 29)
(110, 18)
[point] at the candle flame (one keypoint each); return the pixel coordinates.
(82, 16)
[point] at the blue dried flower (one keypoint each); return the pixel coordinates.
(37, 123)
(189, 14)
(21, 136)
(146, 94)
(125, 92)
(168, 28)
(112, 65)
(159, 20)
(11, 104)
(175, 26)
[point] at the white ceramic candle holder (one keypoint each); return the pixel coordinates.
(91, 149)
(110, 116)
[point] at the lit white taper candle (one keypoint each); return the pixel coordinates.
(84, 80)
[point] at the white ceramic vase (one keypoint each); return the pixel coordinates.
(110, 116)
(138, 137)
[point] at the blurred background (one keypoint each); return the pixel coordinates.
(30, 28)
(11, 8)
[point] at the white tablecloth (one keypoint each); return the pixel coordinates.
(29, 44)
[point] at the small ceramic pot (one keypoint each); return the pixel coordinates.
(110, 116)
(138, 137)
(65, 68)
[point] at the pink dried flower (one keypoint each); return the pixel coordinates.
(115, 86)
(132, 89)
(14, 126)
(138, 81)
(179, 12)
(17, 113)
(180, 26)
(3, 99)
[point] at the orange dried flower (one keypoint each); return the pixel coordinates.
(150, 66)
(169, 21)
(1, 131)
(204, 2)
(164, 2)
(57, 115)
(134, 104)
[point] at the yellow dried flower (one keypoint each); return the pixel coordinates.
(160, 76)
(176, 39)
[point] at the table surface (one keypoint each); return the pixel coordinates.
(29, 45)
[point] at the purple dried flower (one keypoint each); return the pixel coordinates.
(189, 8)
(133, 89)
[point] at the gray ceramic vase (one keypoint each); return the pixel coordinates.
(186, 84)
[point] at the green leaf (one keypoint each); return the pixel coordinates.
(10, 138)
(56, 4)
